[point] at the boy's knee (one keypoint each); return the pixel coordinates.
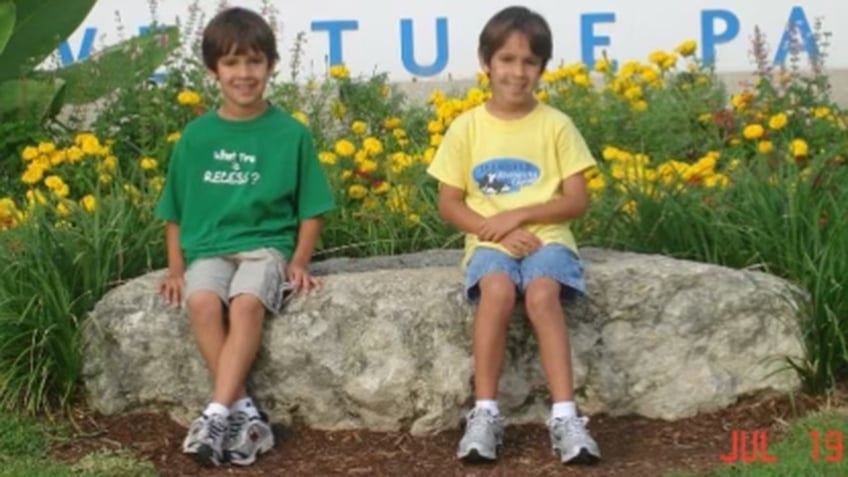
(246, 305)
(541, 295)
(499, 287)
(203, 304)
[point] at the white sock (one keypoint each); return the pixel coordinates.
(563, 409)
(246, 406)
(488, 404)
(216, 408)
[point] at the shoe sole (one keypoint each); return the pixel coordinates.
(582, 457)
(473, 455)
(263, 447)
(205, 456)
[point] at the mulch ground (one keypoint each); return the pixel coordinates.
(631, 446)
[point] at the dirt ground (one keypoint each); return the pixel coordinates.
(631, 446)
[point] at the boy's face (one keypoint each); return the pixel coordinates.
(242, 79)
(513, 72)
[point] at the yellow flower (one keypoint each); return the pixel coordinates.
(327, 157)
(109, 162)
(367, 165)
(188, 97)
(358, 127)
(74, 154)
(58, 156)
(601, 64)
(764, 146)
(435, 126)
(777, 121)
(662, 59)
(818, 111)
(372, 145)
(798, 147)
(156, 183)
(413, 218)
(62, 209)
(380, 188)
(686, 47)
(173, 136)
(357, 191)
(147, 163)
(301, 116)
(29, 153)
(581, 79)
(46, 147)
(391, 122)
(716, 180)
(88, 202)
(639, 105)
(32, 174)
(753, 131)
(346, 173)
(53, 182)
(344, 148)
(35, 196)
(339, 71)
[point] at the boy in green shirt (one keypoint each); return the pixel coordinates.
(241, 201)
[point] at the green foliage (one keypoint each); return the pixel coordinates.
(38, 30)
(26, 94)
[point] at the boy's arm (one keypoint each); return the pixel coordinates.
(452, 208)
(570, 204)
(176, 264)
(307, 235)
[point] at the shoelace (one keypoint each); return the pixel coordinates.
(237, 422)
(479, 422)
(571, 426)
(217, 427)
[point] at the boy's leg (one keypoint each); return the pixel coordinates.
(256, 288)
(207, 281)
(548, 274)
(491, 278)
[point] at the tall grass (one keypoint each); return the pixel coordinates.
(54, 271)
(770, 217)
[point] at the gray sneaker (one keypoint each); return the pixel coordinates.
(483, 436)
(205, 439)
(571, 440)
(248, 437)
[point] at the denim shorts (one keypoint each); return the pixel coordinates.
(554, 261)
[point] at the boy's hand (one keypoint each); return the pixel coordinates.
(521, 242)
(171, 288)
(299, 278)
(496, 227)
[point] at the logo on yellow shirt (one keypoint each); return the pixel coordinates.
(504, 175)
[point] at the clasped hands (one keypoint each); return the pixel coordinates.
(505, 228)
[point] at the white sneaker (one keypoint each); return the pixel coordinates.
(571, 440)
(483, 436)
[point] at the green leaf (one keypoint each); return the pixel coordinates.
(40, 27)
(7, 22)
(33, 99)
(118, 66)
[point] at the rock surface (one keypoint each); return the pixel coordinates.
(385, 345)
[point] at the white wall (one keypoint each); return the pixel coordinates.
(633, 28)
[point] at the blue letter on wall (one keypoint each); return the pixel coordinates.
(588, 39)
(407, 48)
(334, 28)
(709, 37)
(798, 22)
(67, 57)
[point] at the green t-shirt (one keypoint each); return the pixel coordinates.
(236, 185)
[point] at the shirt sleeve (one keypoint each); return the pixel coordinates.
(169, 205)
(572, 152)
(314, 196)
(449, 165)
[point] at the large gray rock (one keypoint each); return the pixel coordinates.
(385, 345)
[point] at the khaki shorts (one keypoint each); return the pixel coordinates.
(259, 272)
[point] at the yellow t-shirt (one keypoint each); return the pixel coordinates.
(506, 164)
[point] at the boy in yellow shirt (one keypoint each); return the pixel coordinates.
(510, 177)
